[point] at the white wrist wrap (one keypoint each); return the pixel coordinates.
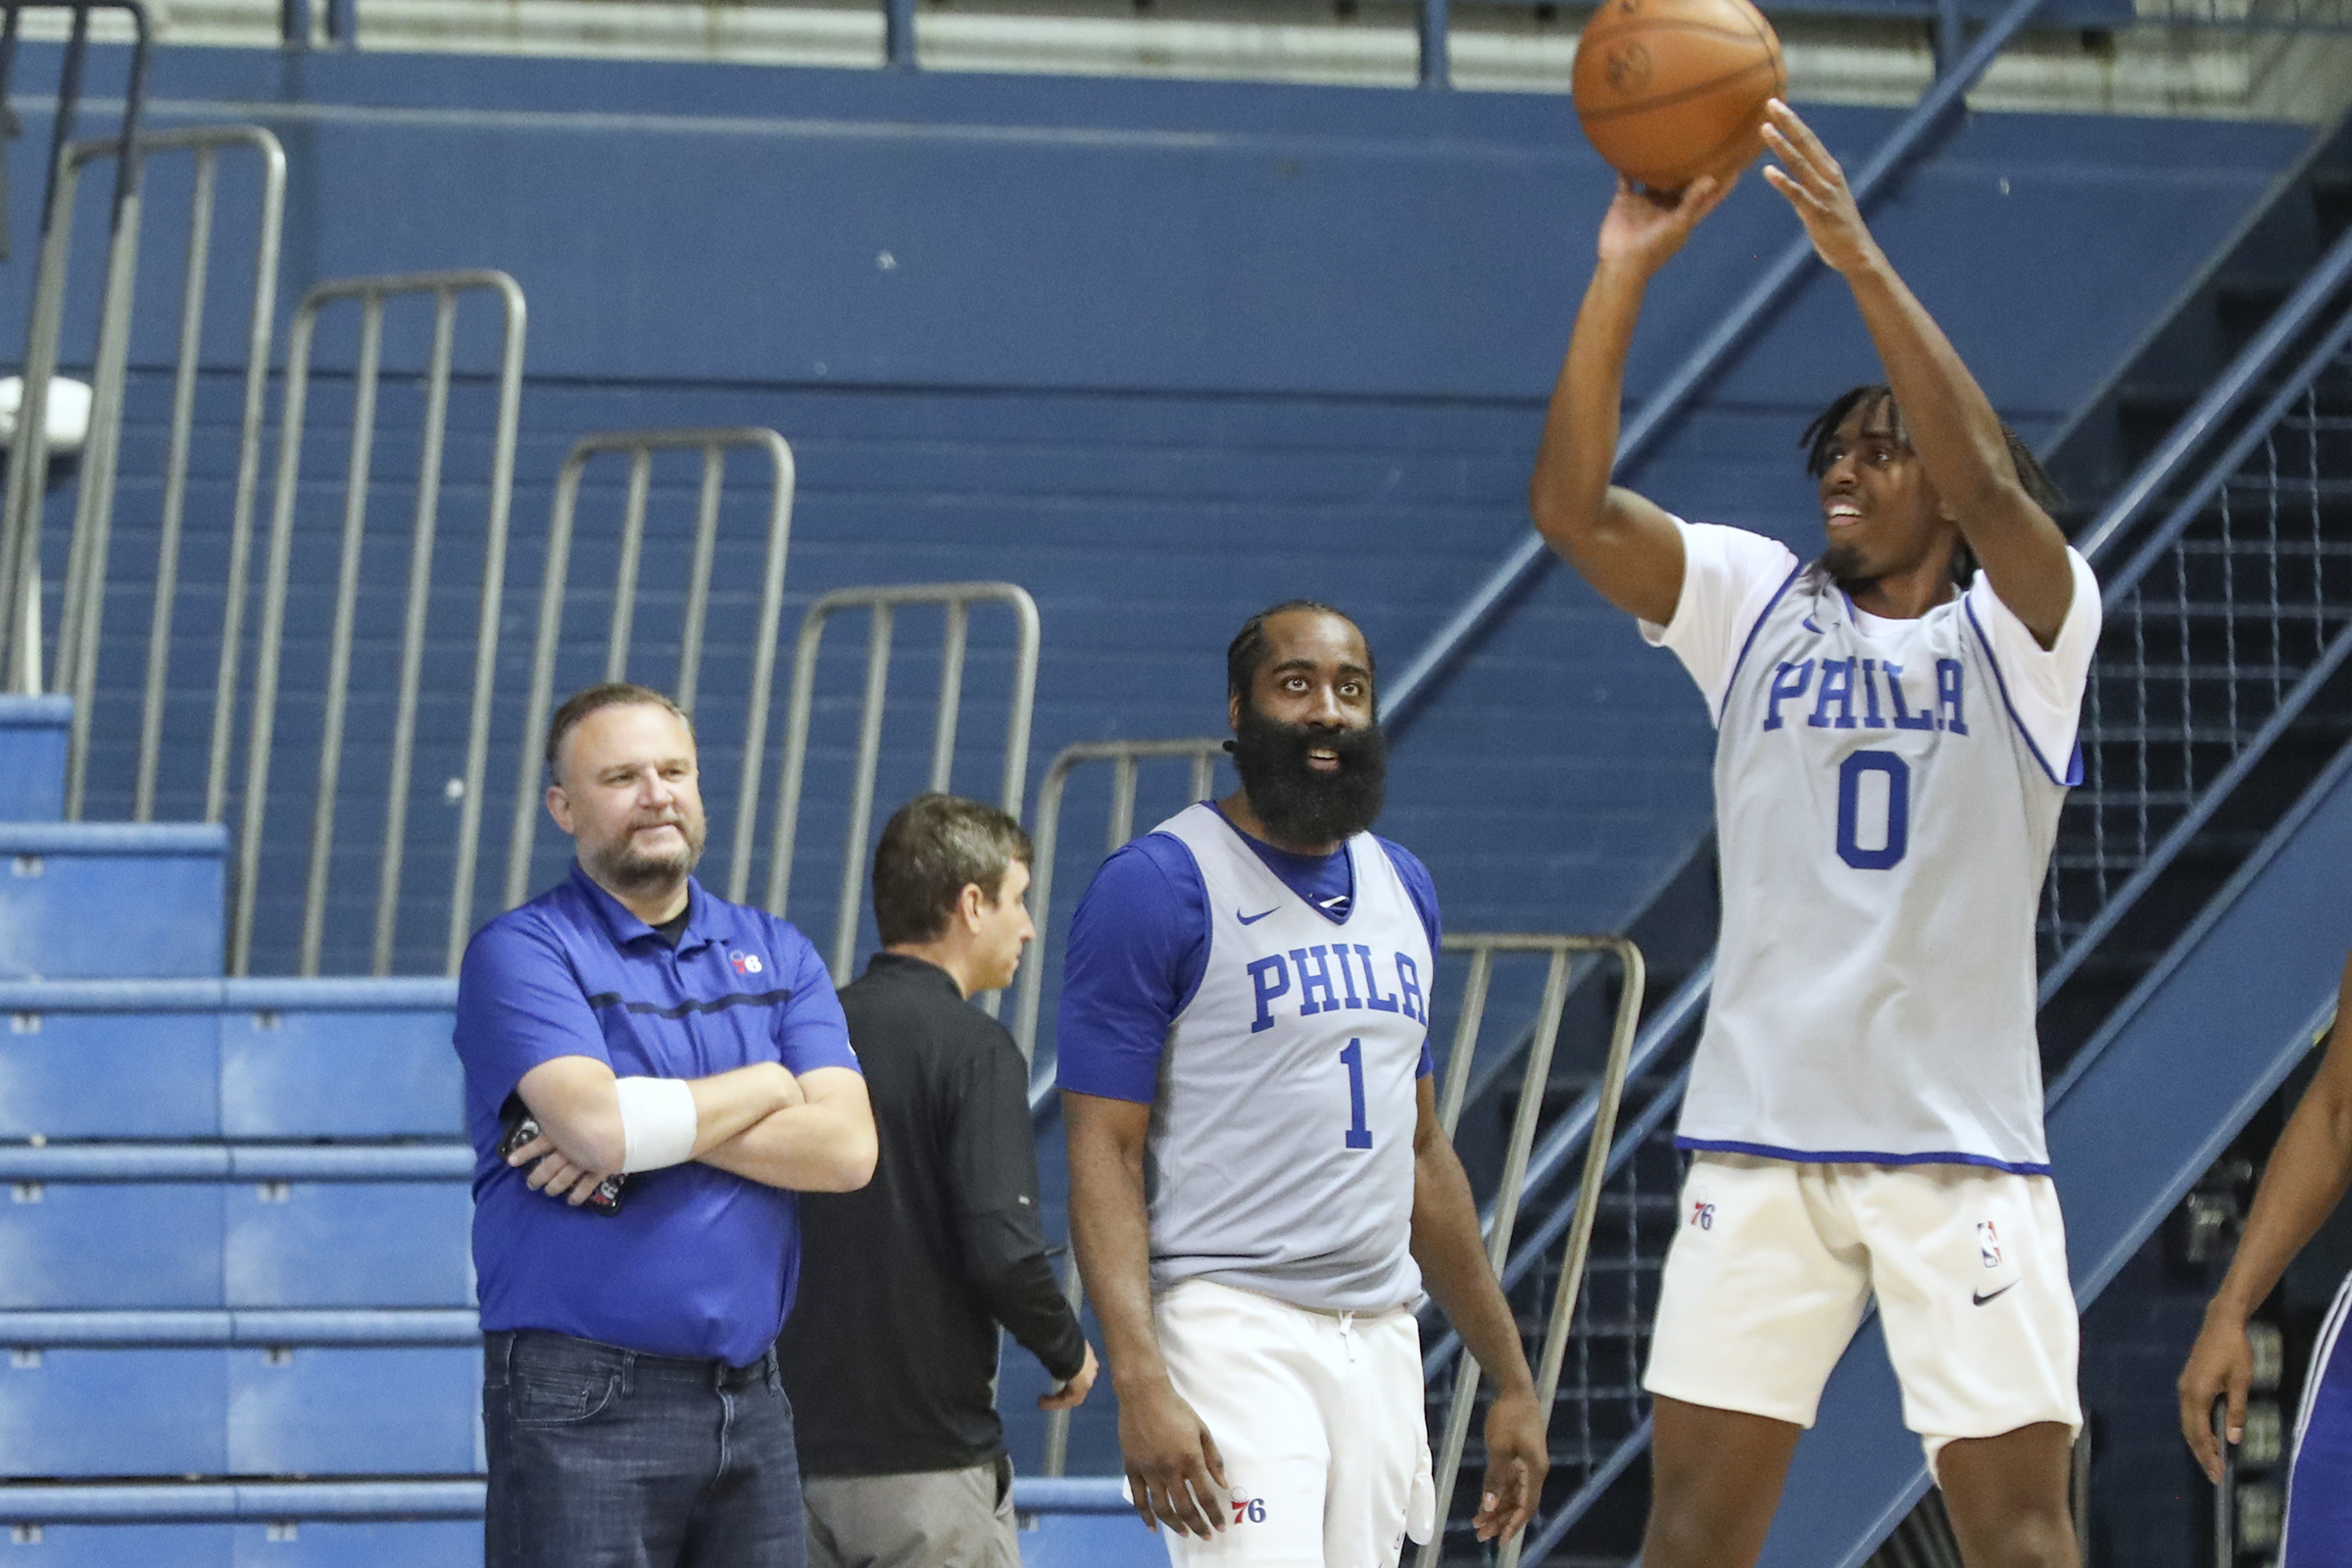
(657, 1122)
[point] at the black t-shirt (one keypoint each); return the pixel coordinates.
(890, 1356)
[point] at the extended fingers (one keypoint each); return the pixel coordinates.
(1782, 123)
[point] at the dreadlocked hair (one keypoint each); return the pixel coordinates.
(1882, 415)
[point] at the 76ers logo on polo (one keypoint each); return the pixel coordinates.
(746, 963)
(1989, 1244)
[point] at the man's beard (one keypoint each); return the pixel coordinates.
(624, 868)
(1843, 564)
(1295, 801)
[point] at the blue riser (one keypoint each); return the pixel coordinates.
(1059, 1542)
(33, 731)
(199, 1245)
(234, 1074)
(417, 1544)
(244, 1411)
(82, 901)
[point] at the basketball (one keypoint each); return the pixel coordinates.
(1672, 89)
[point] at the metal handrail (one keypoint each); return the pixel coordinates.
(373, 293)
(2205, 417)
(640, 447)
(84, 598)
(1202, 751)
(1610, 1092)
(28, 465)
(1417, 684)
(956, 598)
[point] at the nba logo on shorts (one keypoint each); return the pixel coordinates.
(745, 962)
(1989, 1244)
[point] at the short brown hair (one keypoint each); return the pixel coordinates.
(611, 694)
(932, 848)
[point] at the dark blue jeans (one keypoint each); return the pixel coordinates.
(602, 1457)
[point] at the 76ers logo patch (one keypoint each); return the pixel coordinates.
(745, 962)
(1989, 1244)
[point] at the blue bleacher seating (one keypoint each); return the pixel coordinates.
(86, 900)
(34, 734)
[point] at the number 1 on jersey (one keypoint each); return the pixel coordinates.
(1358, 1135)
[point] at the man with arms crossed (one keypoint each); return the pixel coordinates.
(2301, 1186)
(630, 1400)
(891, 1357)
(1894, 736)
(1259, 1191)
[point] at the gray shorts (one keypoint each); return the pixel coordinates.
(926, 1519)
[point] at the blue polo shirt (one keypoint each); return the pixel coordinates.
(697, 1262)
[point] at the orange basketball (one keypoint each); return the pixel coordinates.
(1672, 89)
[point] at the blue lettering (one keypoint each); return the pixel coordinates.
(1897, 830)
(1948, 696)
(1258, 973)
(1836, 686)
(1408, 982)
(1314, 980)
(1784, 688)
(1904, 719)
(1870, 693)
(1338, 951)
(1372, 995)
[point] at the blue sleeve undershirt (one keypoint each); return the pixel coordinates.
(1139, 946)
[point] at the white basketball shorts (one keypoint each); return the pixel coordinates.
(1774, 1261)
(1319, 1420)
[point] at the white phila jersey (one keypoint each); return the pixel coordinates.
(1280, 1157)
(1887, 793)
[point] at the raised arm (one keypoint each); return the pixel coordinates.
(1623, 545)
(1453, 1265)
(2301, 1186)
(1173, 1468)
(1951, 423)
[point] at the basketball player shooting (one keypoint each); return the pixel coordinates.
(1895, 734)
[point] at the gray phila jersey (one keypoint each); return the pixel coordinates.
(1280, 1156)
(1884, 824)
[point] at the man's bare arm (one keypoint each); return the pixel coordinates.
(1173, 1467)
(1953, 424)
(2301, 1186)
(576, 1102)
(1453, 1266)
(823, 1143)
(1623, 545)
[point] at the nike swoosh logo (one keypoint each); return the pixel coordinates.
(1253, 919)
(2003, 1291)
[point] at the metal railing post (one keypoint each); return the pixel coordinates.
(373, 295)
(85, 589)
(1437, 65)
(955, 598)
(898, 34)
(640, 447)
(1560, 951)
(84, 594)
(1202, 751)
(27, 470)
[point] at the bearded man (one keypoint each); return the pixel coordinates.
(651, 1073)
(1261, 1193)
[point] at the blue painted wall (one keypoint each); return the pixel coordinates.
(1162, 352)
